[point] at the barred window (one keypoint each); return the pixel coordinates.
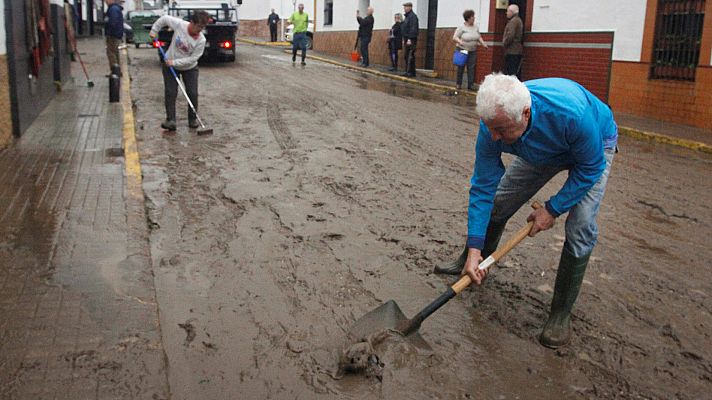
(329, 12)
(678, 33)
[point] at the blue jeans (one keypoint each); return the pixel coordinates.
(299, 41)
(522, 180)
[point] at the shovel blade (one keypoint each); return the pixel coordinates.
(387, 316)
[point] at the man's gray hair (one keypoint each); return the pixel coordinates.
(514, 8)
(502, 92)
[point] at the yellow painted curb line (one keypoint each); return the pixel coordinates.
(131, 159)
(371, 71)
(658, 138)
(256, 43)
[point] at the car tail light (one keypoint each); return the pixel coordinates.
(226, 45)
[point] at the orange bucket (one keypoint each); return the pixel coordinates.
(355, 56)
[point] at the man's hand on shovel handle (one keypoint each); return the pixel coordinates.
(473, 261)
(542, 220)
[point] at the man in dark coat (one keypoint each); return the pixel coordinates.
(395, 42)
(409, 29)
(512, 42)
(114, 31)
(365, 32)
(273, 21)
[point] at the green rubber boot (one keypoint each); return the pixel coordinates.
(494, 234)
(557, 331)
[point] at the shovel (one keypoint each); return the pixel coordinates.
(389, 317)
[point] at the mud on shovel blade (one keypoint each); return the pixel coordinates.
(389, 316)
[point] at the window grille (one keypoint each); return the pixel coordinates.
(678, 33)
(329, 12)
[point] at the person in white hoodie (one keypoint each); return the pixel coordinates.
(186, 47)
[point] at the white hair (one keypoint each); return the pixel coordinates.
(502, 92)
(514, 8)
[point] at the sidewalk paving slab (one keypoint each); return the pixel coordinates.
(79, 318)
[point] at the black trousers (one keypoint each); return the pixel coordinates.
(364, 41)
(511, 65)
(410, 55)
(393, 51)
(273, 32)
(190, 80)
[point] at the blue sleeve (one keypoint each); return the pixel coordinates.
(485, 179)
(586, 144)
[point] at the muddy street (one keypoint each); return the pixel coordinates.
(325, 192)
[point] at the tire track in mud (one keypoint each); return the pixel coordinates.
(279, 128)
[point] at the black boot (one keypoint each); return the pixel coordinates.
(557, 331)
(494, 234)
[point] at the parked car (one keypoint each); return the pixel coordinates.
(310, 35)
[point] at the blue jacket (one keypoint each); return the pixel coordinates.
(115, 21)
(569, 127)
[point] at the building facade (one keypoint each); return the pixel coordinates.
(651, 58)
(34, 61)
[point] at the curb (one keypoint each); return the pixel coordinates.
(131, 158)
(256, 43)
(663, 139)
(374, 72)
(627, 131)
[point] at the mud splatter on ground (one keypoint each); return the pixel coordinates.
(324, 193)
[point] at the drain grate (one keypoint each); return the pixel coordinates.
(88, 115)
(114, 152)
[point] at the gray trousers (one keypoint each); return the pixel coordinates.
(190, 80)
(522, 180)
(471, 60)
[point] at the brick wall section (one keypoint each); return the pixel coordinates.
(688, 103)
(5, 115)
(341, 43)
(588, 66)
(258, 28)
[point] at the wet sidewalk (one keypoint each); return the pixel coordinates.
(78, 316)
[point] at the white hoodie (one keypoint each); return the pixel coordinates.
(184, 50)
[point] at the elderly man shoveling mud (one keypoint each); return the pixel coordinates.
(551, 125)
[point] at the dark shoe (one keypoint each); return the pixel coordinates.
(294, 59)
(458, 87)
(168, 125)
(193, 124)
(471, 89)
(304, 63)
(557, 330)
(454, 267)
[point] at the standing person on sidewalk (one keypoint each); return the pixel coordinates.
(512, 42)
(551, 125)
(365, 32)
(467, 37)
(395, 42)
(273, 21)
(186, 47)
(409, 29)
(114, 31)
(300, 19)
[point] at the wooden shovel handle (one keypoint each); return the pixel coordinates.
(466, 281)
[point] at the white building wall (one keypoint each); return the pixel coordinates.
(625, 18)
(260, 9)
(3, 38)
(384, 10)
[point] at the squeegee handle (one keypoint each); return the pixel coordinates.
(165, 57)
(466, 281)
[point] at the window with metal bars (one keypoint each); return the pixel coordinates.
(678, 33)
